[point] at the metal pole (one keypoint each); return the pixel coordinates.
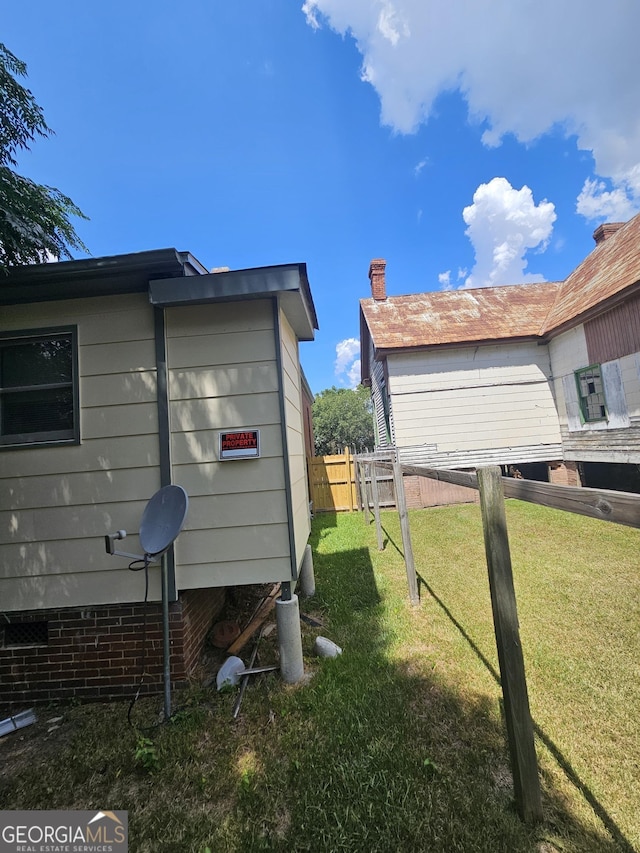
(166, 640)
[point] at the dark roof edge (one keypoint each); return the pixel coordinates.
(93, 276)
(231, 285)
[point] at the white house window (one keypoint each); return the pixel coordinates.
(38, 388)
(591, 394)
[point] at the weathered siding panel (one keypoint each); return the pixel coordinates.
(57, 503)
(568, 352)
(615, 440)
(614, 334)
(223, 376)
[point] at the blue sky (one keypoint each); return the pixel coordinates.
(466, 143)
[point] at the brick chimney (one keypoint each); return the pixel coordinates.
(376, 276)
(606, 230)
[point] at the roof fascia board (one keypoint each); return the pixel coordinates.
(287, 281)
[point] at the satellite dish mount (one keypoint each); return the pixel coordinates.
(162, 521)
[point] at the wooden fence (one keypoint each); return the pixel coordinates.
(333, 483)
(620, 507)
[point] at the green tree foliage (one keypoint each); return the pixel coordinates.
(343, 418)
(34, 219)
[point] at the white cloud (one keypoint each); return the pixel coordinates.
(523, 68)
(444, 280)
(504, 224)
(347, 363)
(420, 166)
(597, 202)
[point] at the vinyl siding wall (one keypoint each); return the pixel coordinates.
(223, 376)
(474, 405)
(57, 503)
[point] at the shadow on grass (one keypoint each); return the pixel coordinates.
(562, 761)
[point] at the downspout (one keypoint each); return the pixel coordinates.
(168, 565)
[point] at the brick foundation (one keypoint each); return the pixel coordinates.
(564, 474)
(96, 652)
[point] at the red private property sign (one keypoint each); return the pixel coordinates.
(244, 444)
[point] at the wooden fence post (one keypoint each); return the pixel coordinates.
(376, 504)
(348, 463)
(356, 467)
(524, 764)
(365, 493)
(401, 504)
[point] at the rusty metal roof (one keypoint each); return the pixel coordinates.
(459, 316)
(507, 312)
(611, 267)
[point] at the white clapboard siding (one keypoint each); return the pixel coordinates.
(57, 503)
(630, 367)
(568, 352)
(429, 455)
(469, 400)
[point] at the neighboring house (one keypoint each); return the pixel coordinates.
(543, 378)
(118, 375)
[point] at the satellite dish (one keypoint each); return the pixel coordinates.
(162, 520)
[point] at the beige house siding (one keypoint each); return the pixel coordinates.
(223, 375)
(292, 387)
(473, 405)
(57, 503)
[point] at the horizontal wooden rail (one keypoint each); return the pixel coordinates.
(619, 507)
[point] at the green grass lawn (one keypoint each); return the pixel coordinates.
(399, 743)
